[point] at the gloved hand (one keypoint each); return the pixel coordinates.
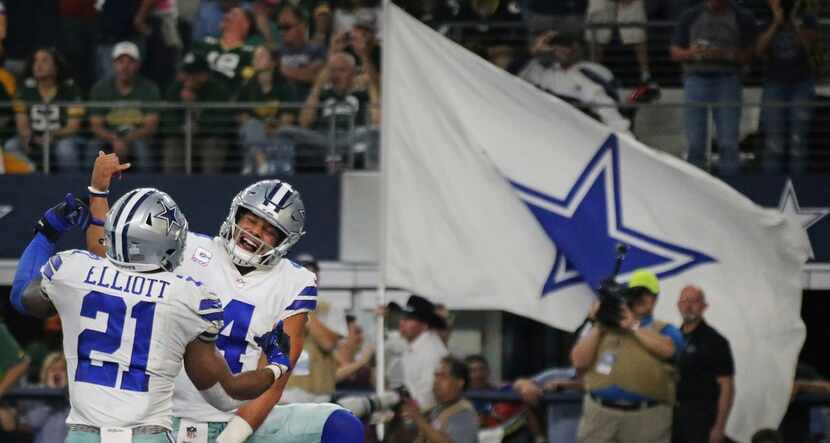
(63, 216)
(276, 346)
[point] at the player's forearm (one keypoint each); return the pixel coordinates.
(256, 411)
(98, 207)
(248, 385)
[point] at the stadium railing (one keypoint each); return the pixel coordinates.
(183, 147)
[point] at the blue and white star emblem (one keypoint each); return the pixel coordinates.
(169, 216)
(588, 223)
(807, 217)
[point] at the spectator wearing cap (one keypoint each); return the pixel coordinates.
(300, 60)
(557, 68)
(209, 126)
(126, 129)
(41, 123)
(313, 377)
(628, 370)
(453, 419)
(424, 348)
(707, 375)
(228, 56)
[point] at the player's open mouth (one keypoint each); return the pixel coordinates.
(248, 243)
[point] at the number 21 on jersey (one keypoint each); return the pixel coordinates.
(109, 341)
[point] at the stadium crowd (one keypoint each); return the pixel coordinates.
(301, 79)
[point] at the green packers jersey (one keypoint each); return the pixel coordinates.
(43, 114)
(231, 65)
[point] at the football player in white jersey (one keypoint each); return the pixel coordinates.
(129, 323)
(258, 288)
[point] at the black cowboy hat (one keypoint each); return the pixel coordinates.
(419, 308)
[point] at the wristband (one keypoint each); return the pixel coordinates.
(96, 193)
(278, 370)
(237, 431)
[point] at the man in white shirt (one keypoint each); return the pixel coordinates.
(424, 348)
(557, 69)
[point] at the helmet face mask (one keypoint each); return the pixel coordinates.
(277, 204)
(145, 231)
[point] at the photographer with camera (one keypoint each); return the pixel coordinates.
(453, 419)
(627, 358)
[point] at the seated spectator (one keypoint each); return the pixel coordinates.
(557, 69)
(480, 380)
(630, 15)
(354, 356)
(300, 60)
(128, 128)
(562, 419)
(713, 41)
(338, 118)
(209, 127)
(454, 417)
(266, 152)
(43, 125)
(228, 56)
(790, 78)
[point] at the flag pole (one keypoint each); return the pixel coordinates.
(380, 354)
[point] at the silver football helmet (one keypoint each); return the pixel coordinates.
(280, 205)
(145, 231)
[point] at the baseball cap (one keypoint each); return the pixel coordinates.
(645, 279)
(126, 48)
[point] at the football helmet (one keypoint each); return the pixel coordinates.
(280, 205)
(145, 231)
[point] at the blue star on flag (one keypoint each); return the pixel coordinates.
(169, 216)
(587, 225)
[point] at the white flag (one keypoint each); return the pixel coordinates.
(484, 173)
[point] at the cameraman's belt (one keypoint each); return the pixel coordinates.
(624, 406)
(138, 430)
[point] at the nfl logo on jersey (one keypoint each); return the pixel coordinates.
(202, 256)
(191, 432)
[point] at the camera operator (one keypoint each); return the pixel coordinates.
(453, 419)
(627, 358)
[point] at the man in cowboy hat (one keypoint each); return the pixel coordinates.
(424, 347)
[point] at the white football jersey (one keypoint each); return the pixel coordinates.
(124, 336)
(253, 302)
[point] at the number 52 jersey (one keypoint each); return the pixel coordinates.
(124, 336)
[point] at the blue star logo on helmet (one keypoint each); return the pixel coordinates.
(169, 216)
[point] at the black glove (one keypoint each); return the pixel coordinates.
(63, 216)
